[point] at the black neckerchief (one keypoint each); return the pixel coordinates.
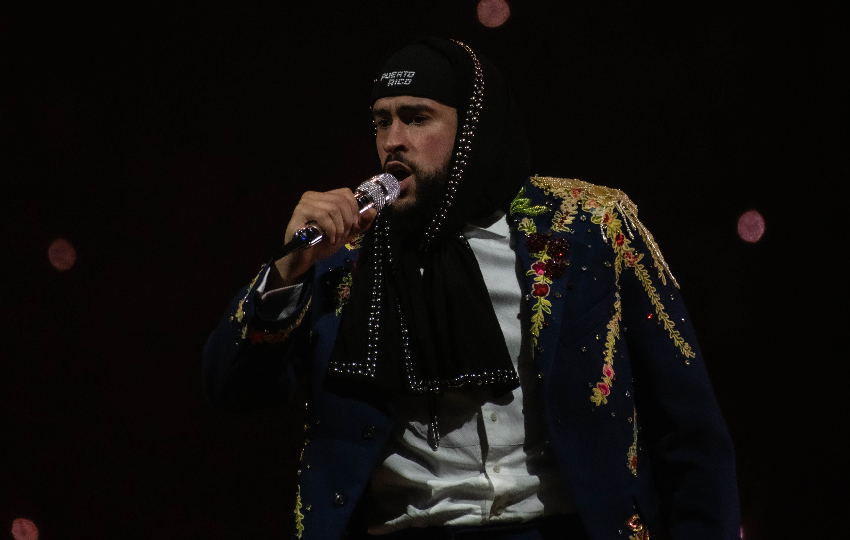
(421, 331)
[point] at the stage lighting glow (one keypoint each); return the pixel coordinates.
(62, 254)
(751, 226)
(493, 13)
(24, 529)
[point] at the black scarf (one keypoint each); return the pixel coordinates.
(422, 333)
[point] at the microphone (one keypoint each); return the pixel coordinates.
(377, 192)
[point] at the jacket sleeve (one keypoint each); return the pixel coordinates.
(689, 448)
(249, 361)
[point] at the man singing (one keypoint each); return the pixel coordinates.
(491, 356)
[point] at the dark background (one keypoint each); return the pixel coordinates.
(169, 144)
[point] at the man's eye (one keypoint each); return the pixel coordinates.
(381, 123)
(418, 119)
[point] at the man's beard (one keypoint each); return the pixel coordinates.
(413, 220)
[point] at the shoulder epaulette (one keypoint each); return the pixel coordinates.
(574, 189)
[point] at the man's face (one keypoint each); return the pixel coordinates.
(415, 137)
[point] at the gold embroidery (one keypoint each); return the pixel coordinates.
(299, 517)
(343, 292)
(602, 389)
(357, 244)
(632, 455)
(240, 313)
(271, 338)
(610, 198)
(636, 526)
(600, 202)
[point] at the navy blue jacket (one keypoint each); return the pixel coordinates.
(629, 409)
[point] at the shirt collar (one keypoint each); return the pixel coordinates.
(493, 226)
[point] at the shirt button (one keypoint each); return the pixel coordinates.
(340, 500)
(497, 468)
(368, 432)
(494, 416)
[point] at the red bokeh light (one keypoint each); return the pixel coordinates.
(751, 226)
(493, 13)
(62, 254)
(24, 529)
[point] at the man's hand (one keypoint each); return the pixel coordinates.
(336, 214)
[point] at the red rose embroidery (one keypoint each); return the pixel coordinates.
(539, 268)
(558, 248)
(603, 388)
(608, 371)
(620, 239)
(575, 193)
(535, 242)
(606, 218)
(540, 290)
(634, 461)
(631, 259)
(554, 269)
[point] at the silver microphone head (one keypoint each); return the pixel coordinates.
(381, 190)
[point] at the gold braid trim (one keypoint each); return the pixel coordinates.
(299, 517)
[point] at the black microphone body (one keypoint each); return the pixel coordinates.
(377, 192)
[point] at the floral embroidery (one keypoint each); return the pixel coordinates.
(600, 393)
(299, 517)
(600, 202)
(357, 244)
(549, 264)
(522, 205)
(270, 338)
(636, 526)
(527, 226)
(631, 457)
(343, 292)
(566, 214)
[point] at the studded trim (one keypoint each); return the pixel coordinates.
(462, 150)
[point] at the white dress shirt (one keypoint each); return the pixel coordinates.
(493, 464)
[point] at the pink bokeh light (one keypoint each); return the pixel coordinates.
(493, 13)
(24, 529)
(751, 226)
(62, 254)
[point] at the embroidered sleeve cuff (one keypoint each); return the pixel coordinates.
(278, 305)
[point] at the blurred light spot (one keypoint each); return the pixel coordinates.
(751, 226)
(24, 529)
(61, 254)
(493, 13)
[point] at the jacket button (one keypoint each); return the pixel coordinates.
(340, 500)
(368, 432)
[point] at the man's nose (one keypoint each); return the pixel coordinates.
(396, 139)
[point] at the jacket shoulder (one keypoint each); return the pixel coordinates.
(574, 188)
(607, 207)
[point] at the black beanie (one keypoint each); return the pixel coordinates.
(417, 70)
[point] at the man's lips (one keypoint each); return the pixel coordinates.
(398, 169)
